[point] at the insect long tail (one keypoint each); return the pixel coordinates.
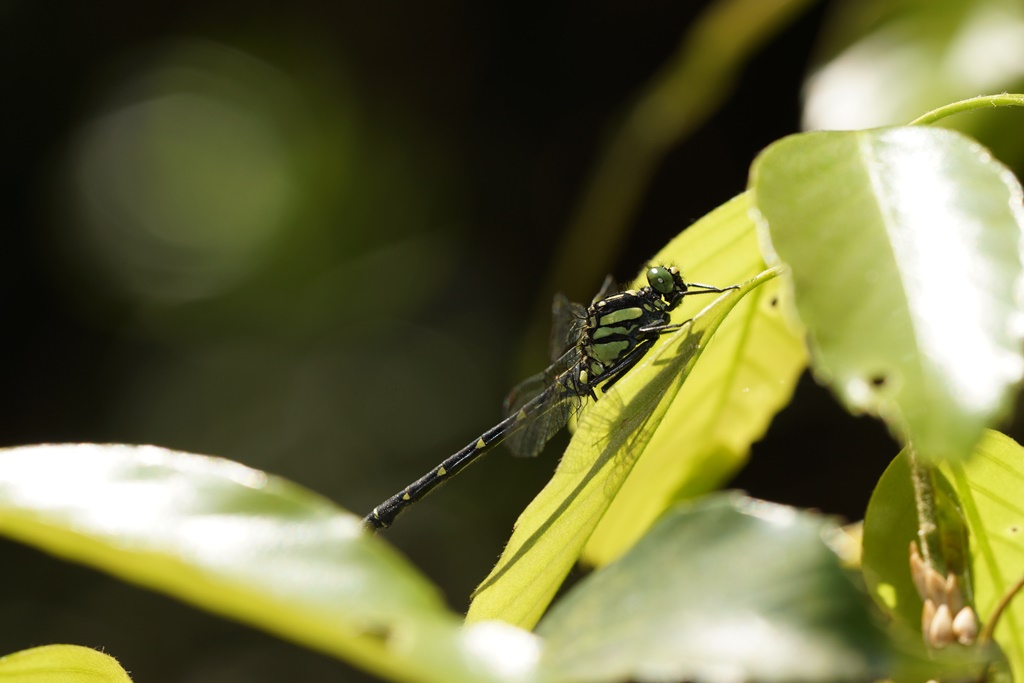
(385, 514)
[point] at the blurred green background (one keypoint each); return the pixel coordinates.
(319, 238)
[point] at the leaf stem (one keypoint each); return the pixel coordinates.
(971, 104)
(927, 516)
(1004, 602)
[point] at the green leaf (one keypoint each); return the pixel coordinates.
(252, 547)
(61, 664)
(744, 377)
(904, 246)
(990, 487)
(725, 589)
(986, 490)
(550, 534)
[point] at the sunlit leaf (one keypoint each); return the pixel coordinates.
(61, 664)
(252, 547)
(990, 486)
(904, 247)
(550, 534)
(743, 378)
(725, 589)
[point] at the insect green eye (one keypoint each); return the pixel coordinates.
(660, 279)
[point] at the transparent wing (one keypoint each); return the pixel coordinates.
(535, 385)
(607, 289)
(567, 324)
(549, 399)
(552, 411)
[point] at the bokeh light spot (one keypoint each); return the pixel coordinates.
(184, 181)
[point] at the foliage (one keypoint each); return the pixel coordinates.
(897, 253)
(61, 663)
(724, 588)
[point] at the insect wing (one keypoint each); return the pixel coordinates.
(608, 287)
(547, 400)
(534, 385)
(524, 392)
(568, 320)
(545, 415)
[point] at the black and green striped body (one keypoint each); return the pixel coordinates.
(616, 326)
(605, 340)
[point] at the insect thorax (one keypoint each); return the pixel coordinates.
(614, 327)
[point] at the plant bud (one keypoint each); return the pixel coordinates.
(954, 596)
(965, 626)
(918, 571)
(941, 632)
(935, 585)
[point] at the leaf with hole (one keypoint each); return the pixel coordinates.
(904, 253)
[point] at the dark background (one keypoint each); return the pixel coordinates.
(371, 323)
